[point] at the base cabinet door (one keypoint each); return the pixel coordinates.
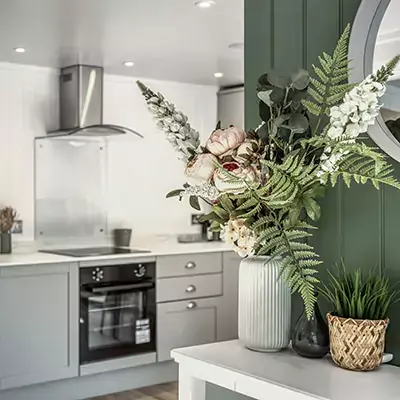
(228, 319)
(39, 324)
(186, 323)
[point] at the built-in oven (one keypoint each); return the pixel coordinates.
(117, 311)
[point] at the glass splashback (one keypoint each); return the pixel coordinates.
(70, 190)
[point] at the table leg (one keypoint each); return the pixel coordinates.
(191, 388)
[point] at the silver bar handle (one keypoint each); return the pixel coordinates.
(191, 305)
(190, 289)
(190, 265)
(119, 288)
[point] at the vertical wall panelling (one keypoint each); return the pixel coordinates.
(259, 53)
(321, 25)
(361, 224)
(288, 18)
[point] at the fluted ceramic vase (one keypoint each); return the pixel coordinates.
(264, 305)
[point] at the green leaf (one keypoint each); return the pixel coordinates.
(278, 79)
(265, 97)
(298, 123)
(313, 209)
(194, 202)
(300, 79)
(174, 193)
(264, 111)
(278, 95)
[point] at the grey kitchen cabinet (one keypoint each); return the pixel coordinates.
(189, 287)
(189, 264)
(209, 310)
(229, 318)
(186, 323)
(39, 324)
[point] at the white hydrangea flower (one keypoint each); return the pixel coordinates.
(239, 236)
(335, 132)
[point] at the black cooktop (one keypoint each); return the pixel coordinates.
(93, 251)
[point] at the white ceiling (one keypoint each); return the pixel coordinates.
(167, 39)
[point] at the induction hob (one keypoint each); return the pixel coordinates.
(93, 251)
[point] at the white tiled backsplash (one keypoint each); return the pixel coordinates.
(140, 172)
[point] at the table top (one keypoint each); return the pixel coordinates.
(319, 379)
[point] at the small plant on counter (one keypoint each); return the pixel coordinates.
(8, 216)
(359, 295)
(263, 184)
(357, 324)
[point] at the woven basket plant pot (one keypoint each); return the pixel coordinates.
(357, 344)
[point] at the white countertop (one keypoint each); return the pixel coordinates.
(282, 375)
(27, 254)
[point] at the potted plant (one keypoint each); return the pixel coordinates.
(8, 216)
(263, 184)
(359, 317)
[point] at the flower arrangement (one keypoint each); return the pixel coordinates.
(263, 184)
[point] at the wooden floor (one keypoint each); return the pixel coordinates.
(167, 391)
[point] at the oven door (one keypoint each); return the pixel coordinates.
(116, 320)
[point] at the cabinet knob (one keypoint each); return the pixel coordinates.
(191, 305)
(190, 265)
(190, 289)
(81, 321)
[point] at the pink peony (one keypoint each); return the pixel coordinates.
(202, 167)
(223, 182)
(223, 140)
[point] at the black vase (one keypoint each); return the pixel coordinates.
(311, 337)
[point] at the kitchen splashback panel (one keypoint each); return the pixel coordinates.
(70, 190)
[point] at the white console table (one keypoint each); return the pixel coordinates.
(278, 376)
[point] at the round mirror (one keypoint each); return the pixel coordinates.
(375, 39)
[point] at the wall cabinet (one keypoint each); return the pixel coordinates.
(39, 324)
(209, 310)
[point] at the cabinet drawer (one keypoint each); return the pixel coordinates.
(189, 287)
(186, 323)
(188, 264)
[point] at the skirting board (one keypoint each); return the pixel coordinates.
(86, 387)
(118, 364)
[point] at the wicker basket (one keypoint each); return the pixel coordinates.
(357, 344)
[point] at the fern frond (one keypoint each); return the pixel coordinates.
(363, 164)
(328, 88)
(387, 70)
(299, 258)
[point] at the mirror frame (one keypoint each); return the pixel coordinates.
(361, 51)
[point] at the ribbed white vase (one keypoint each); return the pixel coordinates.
(264, 305)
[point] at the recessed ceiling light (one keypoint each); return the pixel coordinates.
(129, 63)
(20, 49)
(204, 3)
(218, 74)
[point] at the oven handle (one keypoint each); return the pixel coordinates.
(120, 288)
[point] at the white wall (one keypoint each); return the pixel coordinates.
(140, 172)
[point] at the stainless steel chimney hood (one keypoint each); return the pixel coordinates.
(81, 104)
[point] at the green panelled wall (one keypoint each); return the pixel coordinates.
(359, 224)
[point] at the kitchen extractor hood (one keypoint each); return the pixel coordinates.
(81, 104)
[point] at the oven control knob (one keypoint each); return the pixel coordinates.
(140, 271)
(98, 274)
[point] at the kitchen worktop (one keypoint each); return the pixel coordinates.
(28, 254)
